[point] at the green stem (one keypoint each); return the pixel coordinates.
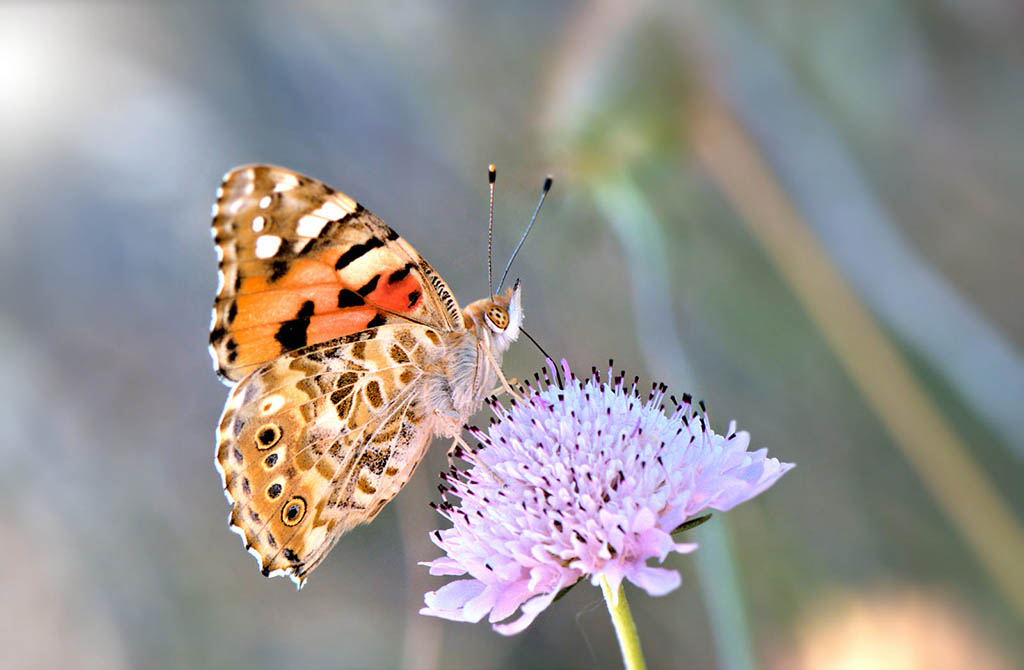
(630, 214)
(625, 629)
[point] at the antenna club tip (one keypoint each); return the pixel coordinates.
(547, 183)
(492, 172)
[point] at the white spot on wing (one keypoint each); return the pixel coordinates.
(265, 202)
(214, 210)
(286, 182)
(234, 401)
(213, 314)
(220, 192)
(331, 211)
(258, 223)
(272, 404)
(310, 225)
(267, 245)
(220, 281)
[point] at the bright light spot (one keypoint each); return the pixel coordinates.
(31, 63)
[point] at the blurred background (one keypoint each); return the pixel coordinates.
(806, 213)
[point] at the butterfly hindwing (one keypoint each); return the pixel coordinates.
(301, 263)
(319, 440)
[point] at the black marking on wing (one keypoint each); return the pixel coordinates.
(349, 298)
(356, 251)
(278, 269)
(292, 333)
(399, 275)
(369, 286)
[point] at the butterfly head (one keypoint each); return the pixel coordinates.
(499, 316)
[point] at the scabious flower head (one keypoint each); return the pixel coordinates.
(582, 479)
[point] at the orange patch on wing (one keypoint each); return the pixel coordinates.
(280, 305)
(301, 272)
(397, 297)
(263, 305)
(323, 327)
(255, 335)
(258, 344)
(255, 345)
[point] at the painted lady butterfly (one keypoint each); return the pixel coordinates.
(346, 353)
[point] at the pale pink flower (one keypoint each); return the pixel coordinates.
(593, 481)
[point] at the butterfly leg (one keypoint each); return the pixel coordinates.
(467, 453)
(497, 369)
(450, 454)
(501, 389)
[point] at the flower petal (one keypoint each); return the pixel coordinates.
(656, 581)
(477, 607)
(530, 610)
(509, 600)
(444, 566)
(448, 601)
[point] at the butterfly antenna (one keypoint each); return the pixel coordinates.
(492, 174)
(536, 211)
(547, 356)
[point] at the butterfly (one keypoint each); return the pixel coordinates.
(346, 353)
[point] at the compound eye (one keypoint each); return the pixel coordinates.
(498, 317)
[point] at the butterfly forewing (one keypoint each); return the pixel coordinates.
(301, 263)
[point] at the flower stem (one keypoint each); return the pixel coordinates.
(625, 629)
